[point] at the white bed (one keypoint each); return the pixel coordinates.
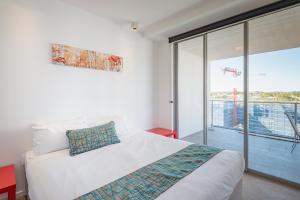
(58, 176)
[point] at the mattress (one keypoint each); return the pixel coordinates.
(57, 175)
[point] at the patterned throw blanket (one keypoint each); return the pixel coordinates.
(152, 180)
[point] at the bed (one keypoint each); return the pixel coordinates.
(57, 175)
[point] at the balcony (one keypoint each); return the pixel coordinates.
(270, 135)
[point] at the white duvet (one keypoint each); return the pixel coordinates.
(58, 176)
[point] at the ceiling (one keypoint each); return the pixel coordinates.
(278, 31)
(159, 19)
(145, 12)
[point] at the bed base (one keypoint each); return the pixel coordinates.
(237, 192)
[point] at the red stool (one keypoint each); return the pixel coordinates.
(8, 181)
(164, 132)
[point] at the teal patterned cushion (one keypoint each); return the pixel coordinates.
(87, 139)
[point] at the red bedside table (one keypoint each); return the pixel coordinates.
(8, 181)
(164, 132)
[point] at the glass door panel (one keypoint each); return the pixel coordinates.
(190, 90)
(225, 76)
(274, 93)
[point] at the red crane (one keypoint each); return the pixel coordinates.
(235, 73)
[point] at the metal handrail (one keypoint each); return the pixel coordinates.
(279, 102)
(274, 127)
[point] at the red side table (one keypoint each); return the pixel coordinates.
(164, 132)
(8, 181)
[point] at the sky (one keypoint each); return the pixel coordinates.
(268, 72)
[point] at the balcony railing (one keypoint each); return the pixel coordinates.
(265, 118)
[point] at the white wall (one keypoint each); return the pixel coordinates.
(190, 92)
(34, 90)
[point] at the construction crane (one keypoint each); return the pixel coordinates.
(235, 73)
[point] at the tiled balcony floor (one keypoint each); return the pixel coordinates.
(270, 156)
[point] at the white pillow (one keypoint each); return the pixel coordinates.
(120, 125)
(52, 136)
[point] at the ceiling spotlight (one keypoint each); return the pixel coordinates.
(134, 26)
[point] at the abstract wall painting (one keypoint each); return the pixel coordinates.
(72, 56)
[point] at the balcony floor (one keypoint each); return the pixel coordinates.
(270, 156)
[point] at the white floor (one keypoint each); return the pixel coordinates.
(258, 188)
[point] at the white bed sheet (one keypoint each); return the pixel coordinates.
(58, 176)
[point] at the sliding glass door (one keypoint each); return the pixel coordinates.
(274, 93)
(238, 88)
(225, 77)
(190, 89)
